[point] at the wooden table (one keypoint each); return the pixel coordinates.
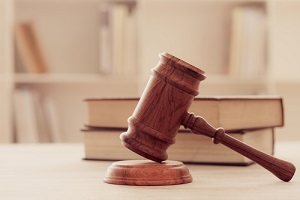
(57, 171)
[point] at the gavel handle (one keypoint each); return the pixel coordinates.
(282, 169)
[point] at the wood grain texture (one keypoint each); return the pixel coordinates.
(145, 172)
(282, 169)
(57, 172)
(163, 108)
(153, 125)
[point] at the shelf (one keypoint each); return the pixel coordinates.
(24, 78)
(291, 81)
(70, 32)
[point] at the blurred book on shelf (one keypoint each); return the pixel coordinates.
(25, 116)
(117, 39)
(29, 48)
(248, 43)
(36, 118)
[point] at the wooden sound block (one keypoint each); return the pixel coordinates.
(146, 173)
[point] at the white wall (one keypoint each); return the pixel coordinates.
(285, 39)
(284, 61)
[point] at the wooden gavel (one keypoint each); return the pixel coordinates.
(163, 107)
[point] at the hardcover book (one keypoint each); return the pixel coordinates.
(232, 113)
(105, 144)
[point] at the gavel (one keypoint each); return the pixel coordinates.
(163, 108)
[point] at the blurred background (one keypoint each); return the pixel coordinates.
(56, 53)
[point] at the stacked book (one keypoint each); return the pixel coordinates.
(250, 119)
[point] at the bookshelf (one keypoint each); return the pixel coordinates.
(69, 32)
(202, 30)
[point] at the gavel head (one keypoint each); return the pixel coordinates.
(164, 103)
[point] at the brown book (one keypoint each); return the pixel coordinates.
(105, 144)
(231, 113)
(29, 48)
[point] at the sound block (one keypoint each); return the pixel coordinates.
(147, 173)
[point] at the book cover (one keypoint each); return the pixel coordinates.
(29, 48)
(105, 144)
(229, 112)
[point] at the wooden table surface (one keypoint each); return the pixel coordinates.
(57, 171)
